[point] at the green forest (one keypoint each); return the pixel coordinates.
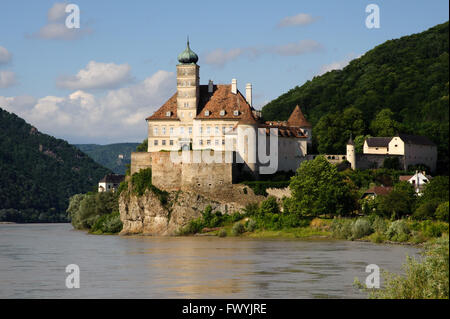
(400, 86)
(39, 173)
(108, 155)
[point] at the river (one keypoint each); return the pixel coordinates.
(33, 259)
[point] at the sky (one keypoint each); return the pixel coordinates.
(98, 83)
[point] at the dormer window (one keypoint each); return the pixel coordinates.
(236, 113)
(206, 113)
(222, 112)
(168, 113)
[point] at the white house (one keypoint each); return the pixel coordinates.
(110, 183)
(418, 180)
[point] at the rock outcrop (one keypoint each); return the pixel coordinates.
(147, 215)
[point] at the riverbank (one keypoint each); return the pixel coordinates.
(365, 229)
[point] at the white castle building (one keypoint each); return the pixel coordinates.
(218, 117)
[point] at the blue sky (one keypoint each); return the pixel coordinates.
(97, 84)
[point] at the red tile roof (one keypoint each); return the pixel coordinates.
(379, 190)
(298, 119)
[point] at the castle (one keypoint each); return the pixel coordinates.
(219, 119)
(223, 137)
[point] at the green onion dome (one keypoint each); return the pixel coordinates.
(187, 56)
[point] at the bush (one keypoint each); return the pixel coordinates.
(250, 225)
(222, 233)
(398, 231)
(379, 225)
(426, 210)
(108, 224)
(237, 229)
(442, 212)
(269, 206)
(251, 209)
(377, 238)
(341, 228)
(360, 228)
(428, 279)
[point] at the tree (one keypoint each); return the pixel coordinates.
(318, 188)
(399, 202)
(143, 147)
(436, 189)
(384, 124)
(359, 142)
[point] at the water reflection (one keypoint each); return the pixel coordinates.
(33, 259)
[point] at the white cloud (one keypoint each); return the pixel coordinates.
(97, 75)
(7, 79)
(298, 48)
(57, 12)
(299, 19)
(56, 29)
(220, 57)
(82, 117)
(5, 55)
(337, 65)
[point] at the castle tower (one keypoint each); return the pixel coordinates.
(297, 119)
(350, 155)
(188, 85)
(247, 131)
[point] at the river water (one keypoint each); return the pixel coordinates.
(33, 259)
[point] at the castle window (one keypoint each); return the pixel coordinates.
(200, 130)
(171, 131)
(223, 142)
(163, 130)
(190, 114)
(217, 142)
(222, 112)
(163, 142)
(201, 142)
(190, 130)
(155, 142)
(208, 130)
(206, 113)
(155, 130)
(217, 130)
(223, 129)
(236, 113)
(171, 142)
(208, 142)
(168, 113)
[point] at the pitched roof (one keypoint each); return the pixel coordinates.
(112, 178)
(220, 99)
(415, 139)
(378, 190)
(378, 141)
(285, 131)
(297, 118)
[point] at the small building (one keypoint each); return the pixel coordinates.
(418, 180)
(110, 183)
(375, 191)
(412, 149)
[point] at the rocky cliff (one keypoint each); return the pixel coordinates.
(147, 215)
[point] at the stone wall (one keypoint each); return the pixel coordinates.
(191, 173)
(140, 160)
(368, 161)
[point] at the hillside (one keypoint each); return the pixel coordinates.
(39, 173)
(109, 155)
(401, 85)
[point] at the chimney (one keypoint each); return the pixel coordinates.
(210, 86)
(234, 86)
(248, 93)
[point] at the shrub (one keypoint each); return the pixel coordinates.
(269, 206)
(442, 212)
(236, 216)
(341, 228)
(360, 228)
(250, 225)
(377, 238)
(222, 233)
(379, 225)
(426, 210)
(398, 231)
(109, 224)
(237, 229)
(428, 279)
(251, 209)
